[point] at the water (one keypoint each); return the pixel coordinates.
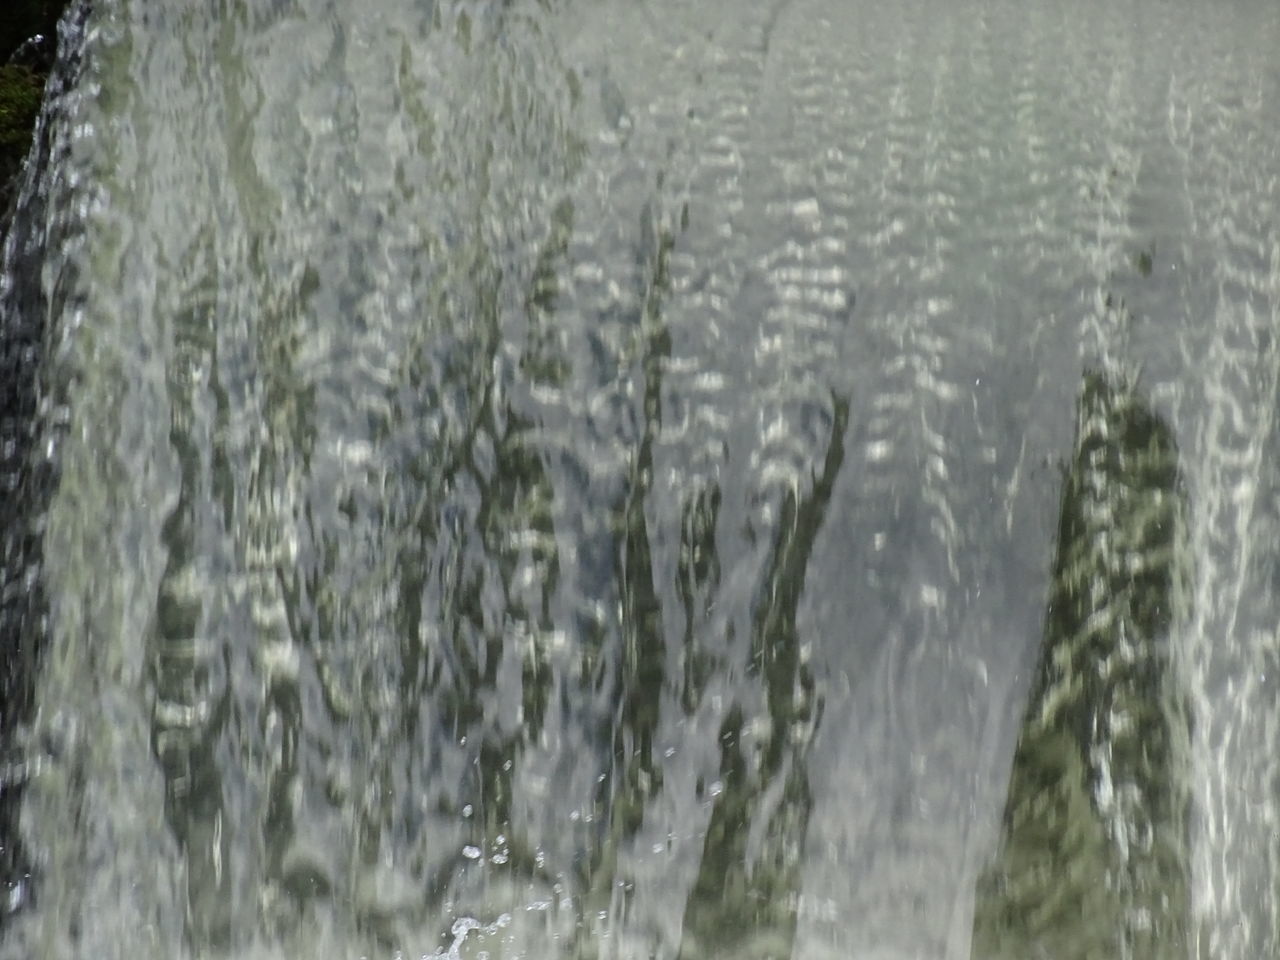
(625, 480)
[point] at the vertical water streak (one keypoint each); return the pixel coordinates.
(1229, 283)
(32, 419)
(745, 901)
(94, 788)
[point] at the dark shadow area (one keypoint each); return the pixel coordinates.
(21, 20)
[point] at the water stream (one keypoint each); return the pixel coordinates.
(672, 479)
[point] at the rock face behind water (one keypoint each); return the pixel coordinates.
(20, 93)
(27, 30)
(1094, 857)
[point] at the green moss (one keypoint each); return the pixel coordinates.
(20, 87)
(20, 93)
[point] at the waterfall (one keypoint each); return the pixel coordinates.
(654, 480)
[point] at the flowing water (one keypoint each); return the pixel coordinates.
(637, 479)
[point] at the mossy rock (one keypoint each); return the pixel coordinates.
(21, 87)
(20, 94)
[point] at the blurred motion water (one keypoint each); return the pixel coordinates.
(670, 479)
